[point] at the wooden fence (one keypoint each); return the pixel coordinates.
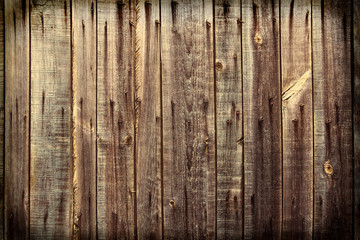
(180, 119)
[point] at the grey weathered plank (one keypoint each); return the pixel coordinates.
(333, 165)
(148, 121)
(84, 117)
(297, 119)
(17, 62)
(356, 116)
(188, 119)
(2, 116)
(229, 119)
(115, 124)
(51, 189)
(262, 120)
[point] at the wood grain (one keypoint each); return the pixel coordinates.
(2, 116)
(17, 62)
(148, 121)
(84, 117)
(115, 114)
(51, 190)
(229, 119)
(297, 120)
(332, 119)
(188, 119)
(262, 120)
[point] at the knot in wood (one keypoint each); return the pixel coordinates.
(172, 203)
(328, 168)
(219, 66)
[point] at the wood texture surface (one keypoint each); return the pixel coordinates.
(51, 191)
(115, 124)
(333, 164)
(297, 119)
(2, 115)
(188, 119)
(17, 82)
(262, 120)
(229, 119)
(148, 121)
(84, 117)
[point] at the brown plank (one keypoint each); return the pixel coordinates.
(333, 168)
(297, 120)
(262, 120)
(2, 116)
(17, 81)
(356, 115)
(51, 190)
(229, 120)
(188, 119)
(148, 121)
(84, 117)
(115, 114)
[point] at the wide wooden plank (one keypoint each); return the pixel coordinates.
(51, 190)
(17, 60)
(297, 120)
(356, 115)
(262, 120)
(148, 121)
(115, 124)
(188, 119)
(84, 117)
(229, 119)
(2, 116)
(333, 168)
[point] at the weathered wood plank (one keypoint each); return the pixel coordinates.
(2, 117)
(297, 119)
(115, 114)
(262, 120)
(51, 189)
(17, 91)
(229, 119)
(84, 117)
(331, 22)
(188, 119)
(356, 115)
(148, 121)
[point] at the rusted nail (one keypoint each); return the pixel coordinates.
(235, 56)
(157, 21)
(239, 21)
(208, 24)
(229, 122)
(237, 112)
(240, 140)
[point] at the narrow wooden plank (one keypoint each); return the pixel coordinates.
(332, 119)
(148, 121)
(2, 116)
(17, 81)
(229, 119)
(297, 119)
(84, 117)
(51, 190)
(356, 115)
(262, 120)
(188, 119)
(115, 114)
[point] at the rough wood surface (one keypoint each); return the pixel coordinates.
(51, 191)
(84, 117)
(188, 119)
(17, 62)
(262, 119)
(115, 124)
(333, 164)
(2, 116)
(229, 119)
(297, 119)
(148, 121)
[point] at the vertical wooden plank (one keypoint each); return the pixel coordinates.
(356, 115)
(297, 119)
(262, 120)
(84, 117)
(332, 119)
(115, 114)
(17, 81)
(148, 121)
(2, 117)
(229, 119)
(51, 190)
(188, 119)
